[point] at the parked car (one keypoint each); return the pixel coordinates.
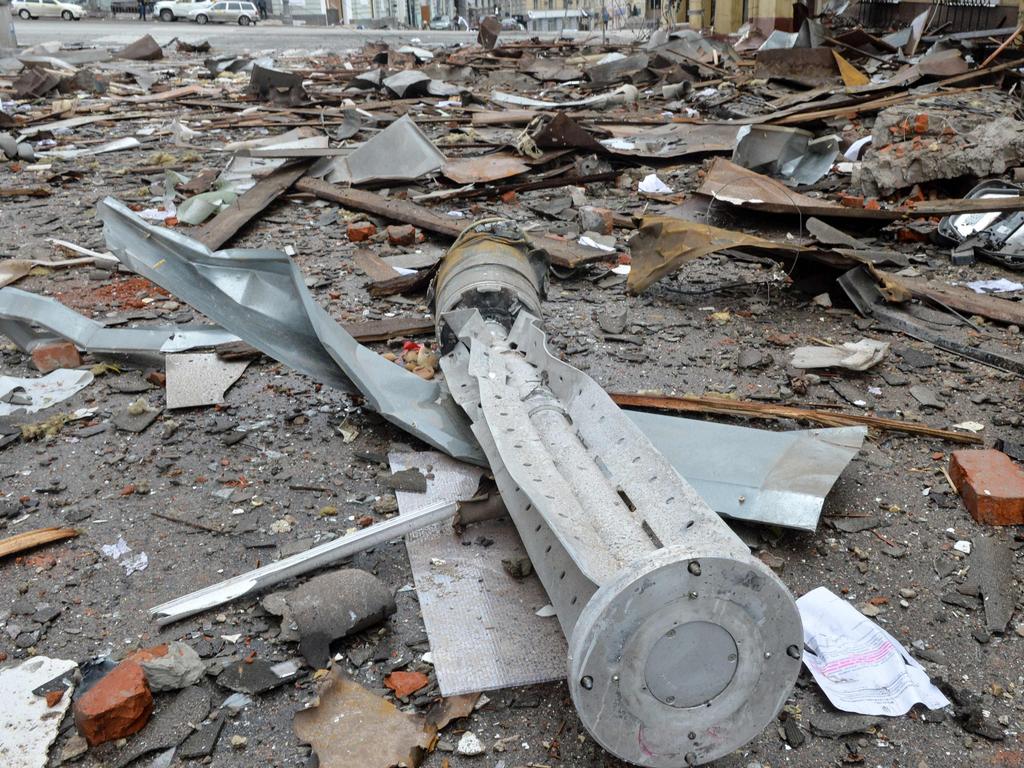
(226, 12)
(172, 10)
(43, 9)
(508, 23)
(440, 22)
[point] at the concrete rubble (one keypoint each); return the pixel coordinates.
(278, 310)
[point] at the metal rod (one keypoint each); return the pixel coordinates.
(304, 562)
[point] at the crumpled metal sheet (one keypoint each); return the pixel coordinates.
(277, 86)
(774, 478)
(401, 152)
(791, 154)
(734, 184)
(28, 319)
(674, 141)
(663, 244)
(470, 170)
(261, 295)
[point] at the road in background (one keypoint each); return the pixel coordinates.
(227, 37)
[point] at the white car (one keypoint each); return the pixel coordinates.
(226, 12)
(172, 10)
(44, 9)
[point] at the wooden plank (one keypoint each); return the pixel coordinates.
(396, 210)
(963, 300)
(563, 253)
(390, 328)
(923, 210)
(22, 542)
(373, 266)
(226, 224)
(754, 409)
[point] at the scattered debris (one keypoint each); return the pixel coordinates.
(755, 183)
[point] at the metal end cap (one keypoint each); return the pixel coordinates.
(684, 658)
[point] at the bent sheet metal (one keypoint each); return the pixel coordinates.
(261, 296)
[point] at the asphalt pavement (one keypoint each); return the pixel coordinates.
(228, 37)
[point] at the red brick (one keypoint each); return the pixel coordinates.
(401, 234)
(360, 231)
(58, 354)
(119, 705)
(990, 484)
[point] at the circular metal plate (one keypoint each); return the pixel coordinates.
(691, 664)
(728, 667)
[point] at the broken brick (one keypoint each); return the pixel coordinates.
(851, 201)
(990, 484)
(119, 705)
(401, 234)
(360, 231)
(58, 354)
(406, 683)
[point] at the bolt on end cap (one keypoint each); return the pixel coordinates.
(683, 658)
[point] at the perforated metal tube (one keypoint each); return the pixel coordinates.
(682, 646)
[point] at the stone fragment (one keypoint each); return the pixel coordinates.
(117, 706)
(835, 725)
(990, 484)
(613, 318)
(470, 745)
(256, 676)
(334, 605)
(53, 355)
(203, 741)
(171, 724)
(411, 480)
(178, 668)
(594, 219)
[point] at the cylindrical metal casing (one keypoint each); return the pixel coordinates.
(682, 646)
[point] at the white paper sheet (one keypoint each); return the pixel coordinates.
(18, 395)
(860, 666)
(651, 184)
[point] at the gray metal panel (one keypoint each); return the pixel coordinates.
(261, 296)
(482, 624)
(776, 478)
(28, 319)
